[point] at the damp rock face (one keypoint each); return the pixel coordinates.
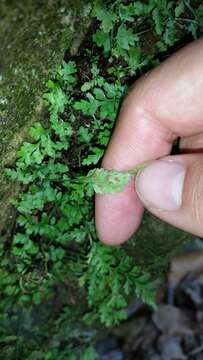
(34, 35)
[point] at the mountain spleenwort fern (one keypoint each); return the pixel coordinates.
(56, 211)
(55, 241)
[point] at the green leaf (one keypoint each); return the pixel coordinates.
(126, 12)
(142, 9)
(126, 37)
(134, 58)
(93, 158)
(48, 146)
(199, 11)
(20, 239)
(56, 97)
(89, 354)
(29, 154)
(169, 35)
(180, 8)
(99, 94)
(86, 86)
(192, 27)
(37, 298)
(84, 134)
(159, 24)
(62, 129)
(110, 181)
(88, 107)
(37, 131)
(37, 156)
(106, 16)
(102, 40)
(67, 72)
(104, 181)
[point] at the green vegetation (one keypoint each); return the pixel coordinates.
(33, 41)
(54, 261)
(109, 181)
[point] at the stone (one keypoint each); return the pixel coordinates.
(34, 36)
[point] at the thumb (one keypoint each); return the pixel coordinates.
(172, 189)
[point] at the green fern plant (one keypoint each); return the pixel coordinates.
(39, 166)
(111, 277)
(55, 242)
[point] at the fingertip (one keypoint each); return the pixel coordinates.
(117, 216)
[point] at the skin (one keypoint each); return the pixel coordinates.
(164, 104)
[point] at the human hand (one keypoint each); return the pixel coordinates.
(163, 105)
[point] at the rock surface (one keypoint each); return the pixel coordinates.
(34, 36)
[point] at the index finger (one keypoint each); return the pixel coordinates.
(164, 104)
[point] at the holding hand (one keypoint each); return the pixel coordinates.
(165, 104)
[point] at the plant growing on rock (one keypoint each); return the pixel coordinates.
(55, 248)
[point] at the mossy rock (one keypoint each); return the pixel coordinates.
(34, 36)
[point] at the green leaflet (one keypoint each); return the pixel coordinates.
(110, 181)
(104, 181)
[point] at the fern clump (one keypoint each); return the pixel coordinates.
(45, 237)
(112, 276)
(55, 244)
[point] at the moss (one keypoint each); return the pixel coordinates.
(33, 36)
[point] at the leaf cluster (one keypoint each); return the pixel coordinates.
(123, 27)
(111, 277)
(55, 243)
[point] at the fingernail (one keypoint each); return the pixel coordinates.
(160, 185)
